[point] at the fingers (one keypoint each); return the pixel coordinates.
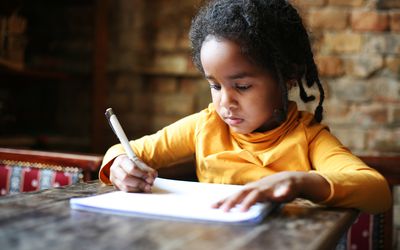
(129, 183)
(131, 169)
(250, 200)
(151, 173)
(138, 187)
(250, 195)
(281, 191)
(126, 176)
(230, 202)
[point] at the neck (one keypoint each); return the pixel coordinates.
(269, 125)
(279, 116)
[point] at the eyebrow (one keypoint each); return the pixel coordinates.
(237, 76)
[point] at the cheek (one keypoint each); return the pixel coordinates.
(215, 97)
(215, 100)
(272, 97)
(262, 110)
(264, 99)
(262, 105)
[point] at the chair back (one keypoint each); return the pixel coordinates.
(31, 170)
(376, 231)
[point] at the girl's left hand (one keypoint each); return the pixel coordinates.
(280, 187)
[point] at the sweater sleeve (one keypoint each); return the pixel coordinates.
(170, 145)
(353, 184)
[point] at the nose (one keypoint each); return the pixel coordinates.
(228, 100)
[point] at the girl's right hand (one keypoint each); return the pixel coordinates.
(126, 176)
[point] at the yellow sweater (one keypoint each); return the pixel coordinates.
(299, 144)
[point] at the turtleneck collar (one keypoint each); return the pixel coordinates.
(268, 138)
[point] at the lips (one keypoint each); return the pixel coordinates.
(233, 121)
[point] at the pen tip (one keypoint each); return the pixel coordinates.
(109, 112)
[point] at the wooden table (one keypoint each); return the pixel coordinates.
(44, 220)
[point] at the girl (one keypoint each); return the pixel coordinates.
(252, 52)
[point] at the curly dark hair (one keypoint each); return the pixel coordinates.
(270, 33)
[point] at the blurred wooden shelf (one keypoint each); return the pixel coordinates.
(17, 70)
(45, 142)
(13, 75)
(167, 73)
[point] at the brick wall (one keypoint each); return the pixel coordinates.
(356, 44)
(152, 79)
(357, 48)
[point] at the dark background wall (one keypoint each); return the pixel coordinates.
(48, 88)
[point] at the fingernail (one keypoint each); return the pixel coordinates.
(225, 208)
(215, 205)
(280, 190)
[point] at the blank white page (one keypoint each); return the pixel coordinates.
(174, 199)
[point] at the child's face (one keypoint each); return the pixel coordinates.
(243, 94)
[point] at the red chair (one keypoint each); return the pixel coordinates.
(30, 170)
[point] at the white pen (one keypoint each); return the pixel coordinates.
(119, 132)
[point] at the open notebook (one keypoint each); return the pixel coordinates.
(174, 199)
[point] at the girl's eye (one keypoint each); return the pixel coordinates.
(215, 86)
(243, 86)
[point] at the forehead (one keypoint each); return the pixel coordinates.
(220, 47)
(217, 54)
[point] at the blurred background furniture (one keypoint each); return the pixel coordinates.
(377, 231)
(53, 58)
(30, 170)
